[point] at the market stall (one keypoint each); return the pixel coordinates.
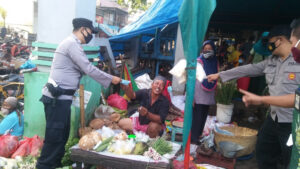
(122, 151)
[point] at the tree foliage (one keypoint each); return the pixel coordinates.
(3, 14)
(135, 5)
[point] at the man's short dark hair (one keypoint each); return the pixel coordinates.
(295, 25)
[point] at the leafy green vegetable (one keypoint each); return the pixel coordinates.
(66, 159)
(28, 162)
(161, 146)
(225, 92)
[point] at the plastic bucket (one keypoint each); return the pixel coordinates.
(243, 83)
(224, 112)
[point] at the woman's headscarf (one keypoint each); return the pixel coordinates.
(210, 66)
(260, 47)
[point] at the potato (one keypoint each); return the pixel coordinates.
(96, 123)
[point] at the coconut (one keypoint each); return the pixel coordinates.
(114, 126)
(115, 117)
(87, 142)
(107, 122)
(96, 124)
(84, 131)
(96, 136)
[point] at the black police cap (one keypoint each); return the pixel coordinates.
(83, 22)
(280, 30)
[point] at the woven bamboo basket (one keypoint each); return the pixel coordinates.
(243, 136)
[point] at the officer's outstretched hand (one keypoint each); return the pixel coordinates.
(116, 80)
(250, 98)
(213, 77)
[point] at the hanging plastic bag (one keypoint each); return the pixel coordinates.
(143, 81)
(103, 111)
(180, 73)
(8, 145)
(117, 101)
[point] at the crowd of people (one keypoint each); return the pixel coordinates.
(274, 55)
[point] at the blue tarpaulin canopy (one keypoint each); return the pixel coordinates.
(162, 12)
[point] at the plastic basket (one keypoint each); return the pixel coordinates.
(243, 136)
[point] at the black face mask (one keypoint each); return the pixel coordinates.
(87, 38)
(272, 46)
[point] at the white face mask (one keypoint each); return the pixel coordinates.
(208, 54)
(4, 111)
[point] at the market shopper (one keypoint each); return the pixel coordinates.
(13, 123)
(204, 91)
(69, 64)
(282, 76)
(153, 110)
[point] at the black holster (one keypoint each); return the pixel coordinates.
(58, 91)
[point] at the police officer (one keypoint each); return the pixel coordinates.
(69, 64)
(282, 76)
(290, 100)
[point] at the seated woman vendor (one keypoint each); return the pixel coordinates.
(153, 110)
(13, 123)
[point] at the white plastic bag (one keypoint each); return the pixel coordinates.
(121, 147)
(103, 111)
(141, 137)
(143, 81)
(178, 101)
(180, 73)
(106, 132)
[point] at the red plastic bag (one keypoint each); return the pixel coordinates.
(36, 145)
(8, 145)
(165, 91)
(117, 101)
(29, 146)
(24, 148)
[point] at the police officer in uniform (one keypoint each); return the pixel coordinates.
(69, 64)
(290, 100)
(282, 76)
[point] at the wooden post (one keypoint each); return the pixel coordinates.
(81, 99)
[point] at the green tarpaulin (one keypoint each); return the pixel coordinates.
(193, 18)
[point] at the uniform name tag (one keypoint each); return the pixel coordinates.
(297, 99)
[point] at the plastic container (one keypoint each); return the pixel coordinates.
(224, 112)
(243, 83)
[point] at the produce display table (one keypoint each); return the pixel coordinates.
(106, 159)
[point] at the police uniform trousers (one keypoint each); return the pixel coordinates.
(271, 144)
(57, 114)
